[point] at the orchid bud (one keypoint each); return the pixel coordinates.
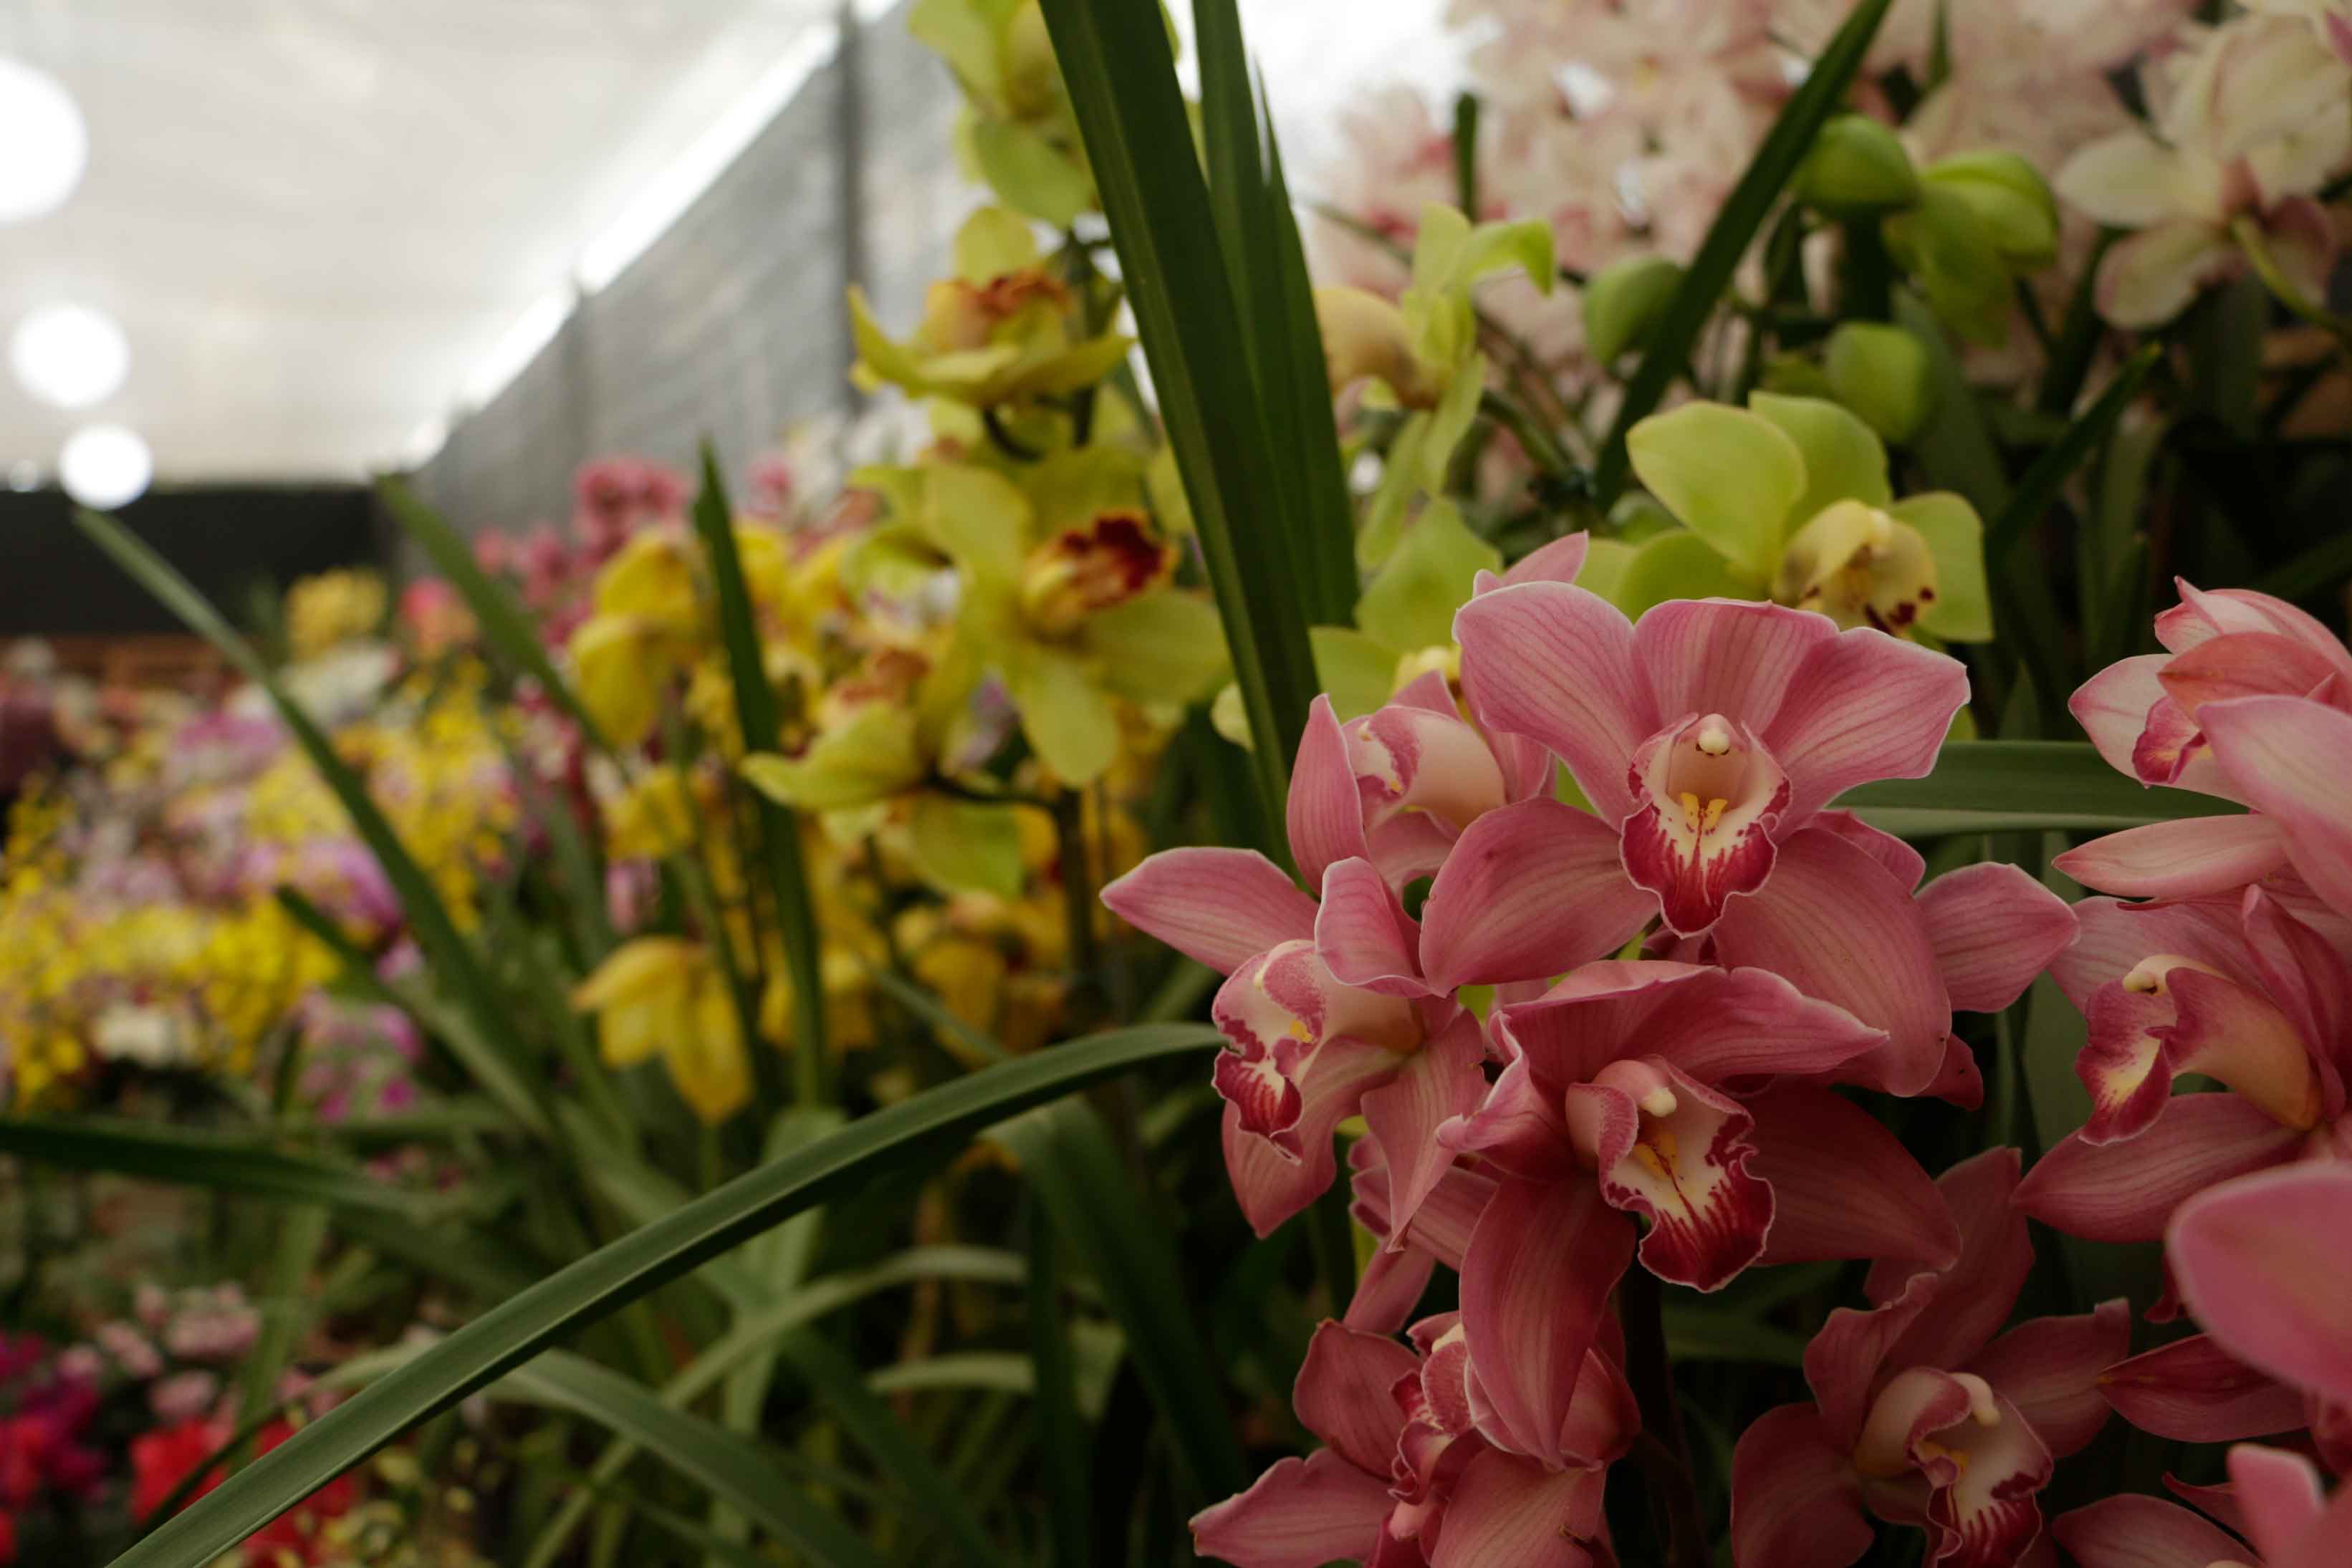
(1881, 373)
(1858, 167)
(2012, 198)
(1623, 300)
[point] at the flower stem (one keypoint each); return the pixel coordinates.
(1673, 1498)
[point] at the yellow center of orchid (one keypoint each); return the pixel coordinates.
(1860, 566)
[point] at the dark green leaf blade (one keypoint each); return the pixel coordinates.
(516, 1330)
(1075, 1171)
(1987, 786)
(183, 1157)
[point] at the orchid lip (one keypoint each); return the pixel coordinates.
(1890, 1438)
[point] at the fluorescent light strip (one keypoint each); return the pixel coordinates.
(532, 330)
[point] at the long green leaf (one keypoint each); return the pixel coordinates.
(732, 1467)
(758, 1331)
(513, 1332)
(505, 625)
(1743, 213)
(1067, 1464)
(835, 1380)
(187, 1158)
(1076, 1174)
(1122, 80)
(2039, 488)
(1994, 785)
(450, 957)
(779, 839)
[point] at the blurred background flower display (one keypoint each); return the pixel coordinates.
(1457, 784)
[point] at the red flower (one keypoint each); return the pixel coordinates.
(162, 1459)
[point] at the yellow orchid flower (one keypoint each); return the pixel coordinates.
(665, 995)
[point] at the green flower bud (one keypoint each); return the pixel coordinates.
(1879, 373)
(1857, 166)
(2012, 198)
(1623, 301)
(1793, 375)
(1949, 251)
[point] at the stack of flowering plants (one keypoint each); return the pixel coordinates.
(1621, 891)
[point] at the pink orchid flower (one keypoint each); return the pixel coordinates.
(1920, 1416)
(1641, 1089)
(1345, 1004)
(2275, 1502)
(1713, 736)
(2252, 702)
(1408, 1477)
(2264, 1263)
(2234, 988)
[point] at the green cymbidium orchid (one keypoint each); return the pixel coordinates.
(1017, 133)
(999, 331)
(1788, 500)
(1424, 350)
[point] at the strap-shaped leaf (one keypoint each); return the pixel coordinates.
(512, 1332)
(2000, 786)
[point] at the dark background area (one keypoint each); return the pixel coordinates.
(225, 540)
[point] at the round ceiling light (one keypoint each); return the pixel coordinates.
(69, 356)
(104, 466)
(48, 143)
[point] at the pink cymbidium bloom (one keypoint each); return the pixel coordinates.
(2274, 1501)
(1714, 735)
(1311, 1050)
(1921, 1416)
(1408, 1477)
(1645, 1090)
(2236, 988)
(2252, 702)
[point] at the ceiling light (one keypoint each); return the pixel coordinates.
(69, 356)
(104, 466)
(47, 145)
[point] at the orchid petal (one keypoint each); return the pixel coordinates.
(1734, 657)
(1710, 800)
(1976, 1292)
(1794, 1502)
(1558, 561)
(2247, 664)
(1747, 1024)
(2239, 1036)
(2194, 1390)
(1505, 1509)
(1845, 1358)
(1326, 811)
(2135, 1531)
(1342, 1393)
(1987, 1511)
(1219, 907)
(1678, 1156)
(1363, 933)
(1835, 925)
(1270, 1182)
(1389, 1288)
(2280, 1495)
(1843, 1185)
(1863, 706)
(2125, 1192)
(2050, 1369)
(2266, 1265)
(1409, 760)
(1993, 929)
(1554, 662)
(2149, 277)
(2302, 972)
(1903, 863)
(2112, 708)
(2289, 759)
(1529, 890)
(2188, 859)
(2115, 936)
(1535, 1287)
(1302, 1513)
(1517, 1128)
(2204, 613)
(1439, 1081)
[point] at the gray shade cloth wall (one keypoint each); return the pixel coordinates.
(730, 325)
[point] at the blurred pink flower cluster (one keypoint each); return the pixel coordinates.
(551, 569)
